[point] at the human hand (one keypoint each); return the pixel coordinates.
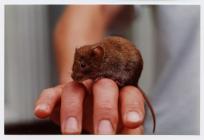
(104, 108)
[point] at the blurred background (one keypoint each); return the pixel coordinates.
(30, 65)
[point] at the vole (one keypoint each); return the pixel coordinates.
(113, 57)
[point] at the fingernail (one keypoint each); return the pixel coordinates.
(105, 127)
(71, 125)
(133, 117)
(42, 107)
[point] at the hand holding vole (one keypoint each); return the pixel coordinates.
(123, 109)
(115, 58)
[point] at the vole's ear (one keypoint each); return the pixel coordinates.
(98, 52)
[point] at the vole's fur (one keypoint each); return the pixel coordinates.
(115, 58)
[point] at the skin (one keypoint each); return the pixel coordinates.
(100, 106)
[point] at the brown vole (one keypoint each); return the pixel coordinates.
(115, 58)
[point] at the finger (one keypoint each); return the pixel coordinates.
(71, 108)
(132, 106)
(47, 100)
(136, 131)
(105, 92)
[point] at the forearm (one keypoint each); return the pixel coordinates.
(79, 25)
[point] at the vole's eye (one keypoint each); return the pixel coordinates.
(83, 65)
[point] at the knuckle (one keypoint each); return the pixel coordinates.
(107, 113)
(49, 94)
(47, 91)
(132, 106)
(106, 110)
(135, 107)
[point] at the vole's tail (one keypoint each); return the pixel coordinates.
(151, 109)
